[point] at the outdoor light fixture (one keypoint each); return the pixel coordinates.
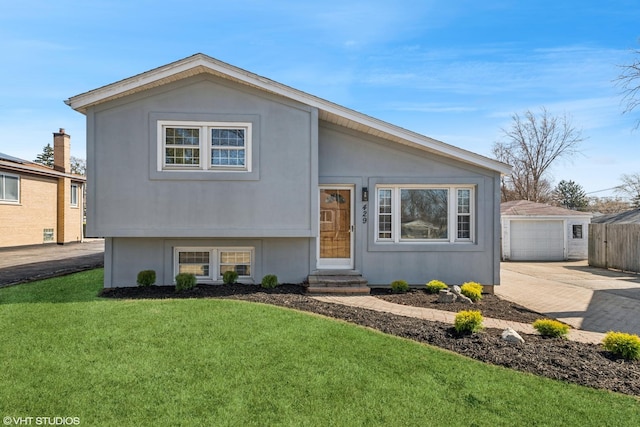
(365, 194)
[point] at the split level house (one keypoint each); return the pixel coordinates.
(199, 166)
(39, 204)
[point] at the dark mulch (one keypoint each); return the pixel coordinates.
(569, 361)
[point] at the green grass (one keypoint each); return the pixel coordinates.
(66, 352)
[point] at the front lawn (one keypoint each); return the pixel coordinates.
(67, 353)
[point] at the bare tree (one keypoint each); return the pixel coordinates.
(531, 145)
(629, 82)
(630, 187)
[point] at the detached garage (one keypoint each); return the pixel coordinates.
(539, 232)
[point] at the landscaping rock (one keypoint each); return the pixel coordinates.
(459, 297)
(446, 296)
(512, 336)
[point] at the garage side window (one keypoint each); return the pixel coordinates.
(577, 231)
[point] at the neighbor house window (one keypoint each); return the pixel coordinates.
(208, 264)
(424, 214)
(9, 188)
(212, 146)
(577, 231)
(74, 195)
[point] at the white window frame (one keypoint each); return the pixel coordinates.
(452, 218)
(73, 196)
(3, 191)
(204, 146)
(215, 275)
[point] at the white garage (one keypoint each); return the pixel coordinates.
(537, 240)
(539, 232)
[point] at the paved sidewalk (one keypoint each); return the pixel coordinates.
(377, 304)
(24, 264)
(588, 298)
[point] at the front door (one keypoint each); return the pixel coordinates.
(336, 226)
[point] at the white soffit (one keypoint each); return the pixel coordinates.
(328, 111)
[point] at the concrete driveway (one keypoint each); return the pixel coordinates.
(592, 299)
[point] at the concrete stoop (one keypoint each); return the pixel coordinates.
(337, 283)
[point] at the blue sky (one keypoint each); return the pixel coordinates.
(452, 70)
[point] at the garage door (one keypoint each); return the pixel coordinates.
(537, 240)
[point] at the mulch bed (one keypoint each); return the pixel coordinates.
(585, 364)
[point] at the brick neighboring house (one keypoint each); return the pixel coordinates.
(39, 204)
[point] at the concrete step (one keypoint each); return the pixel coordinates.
(337, 282)
(338, 290)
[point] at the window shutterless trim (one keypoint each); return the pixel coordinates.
(73, 196)
(215, 261)
(4, 191)
(211, 148)
(390, 194)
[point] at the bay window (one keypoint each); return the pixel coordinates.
(423, 213)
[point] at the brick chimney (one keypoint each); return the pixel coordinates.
(61, 151)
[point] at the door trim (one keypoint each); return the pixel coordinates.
(337, 263)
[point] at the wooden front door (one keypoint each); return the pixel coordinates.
(336, 225)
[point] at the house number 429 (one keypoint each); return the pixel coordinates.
(365, 213)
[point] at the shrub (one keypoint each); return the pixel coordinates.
(435, 286)
(230, 277)
(399, 286)
(467, 322)
(146, 278)
(551, 328)
(623, 345)
(185, 281)
(472, 290)
(270, 281)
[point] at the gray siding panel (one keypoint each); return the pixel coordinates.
(367, 161)
(134, 201)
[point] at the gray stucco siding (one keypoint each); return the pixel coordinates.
(135, 199)
(350, 157)
(125, 257)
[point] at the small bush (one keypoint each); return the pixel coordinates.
(551, 328)
(435, 286)
(146, 278)
(230, 277)
(270, 281)
(623, 345)
(185, 281)
(472, 290)
(467, 322)
(399, 286)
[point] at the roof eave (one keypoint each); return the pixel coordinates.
(204, 63)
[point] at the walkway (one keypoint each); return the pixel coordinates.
(429, 314)
(588, 298)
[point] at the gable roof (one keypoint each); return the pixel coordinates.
(17, 165)
(528, 208)
(628, 217)
(328, 111)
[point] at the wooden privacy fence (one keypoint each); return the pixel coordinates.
(615, 246)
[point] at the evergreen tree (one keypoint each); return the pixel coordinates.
(46, 157)
(570, 195)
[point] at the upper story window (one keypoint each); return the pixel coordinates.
(74, 195)
(424, 214)
(9, 188)
(202, 146)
